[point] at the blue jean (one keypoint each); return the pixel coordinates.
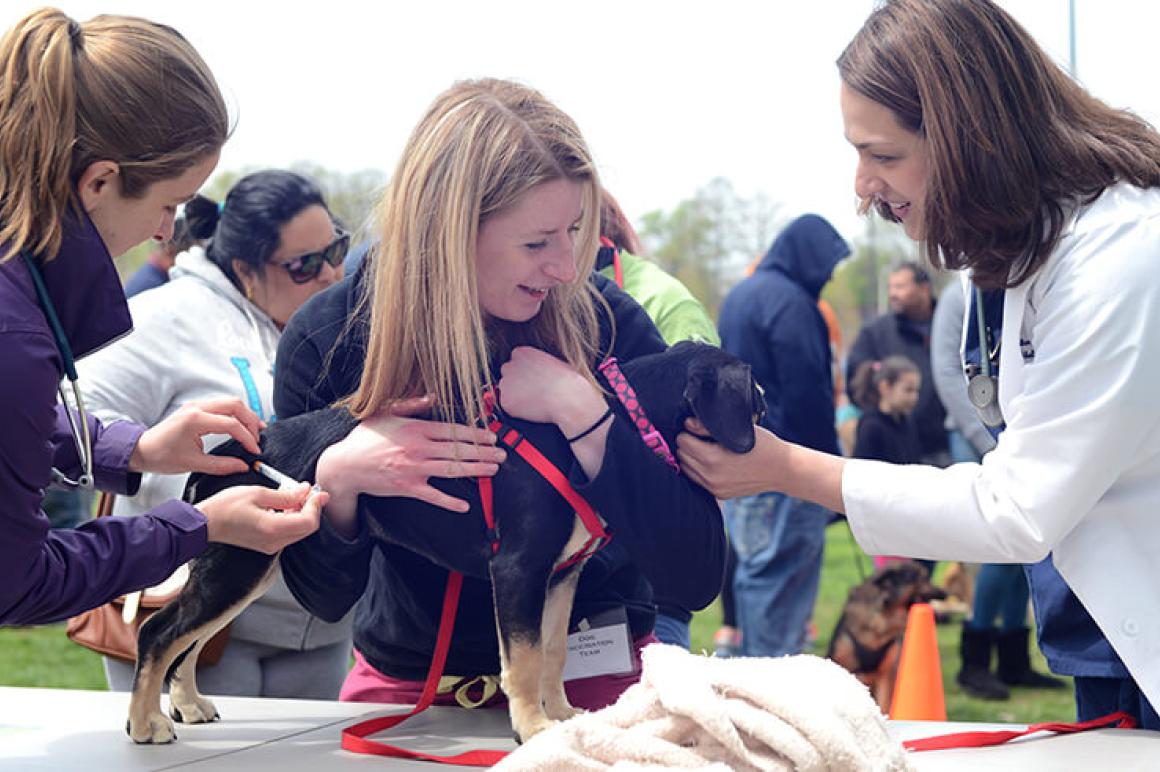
(1000, 591)
(779, 543)
(672, 630)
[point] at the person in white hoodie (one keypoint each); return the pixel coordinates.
(996, 161)
(213, 331)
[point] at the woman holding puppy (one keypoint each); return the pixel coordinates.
(996, 161)
(84, 177)
(488, 234)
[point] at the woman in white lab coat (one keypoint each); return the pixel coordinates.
(995, 161)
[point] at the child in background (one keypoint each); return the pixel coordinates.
(887, 392)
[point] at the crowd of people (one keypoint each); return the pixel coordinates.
(1007, 421)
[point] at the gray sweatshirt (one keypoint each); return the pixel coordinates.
(197, 337)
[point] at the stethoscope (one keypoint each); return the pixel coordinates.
(983, 378)
(81, 435)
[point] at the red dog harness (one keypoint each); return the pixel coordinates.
(598, 536)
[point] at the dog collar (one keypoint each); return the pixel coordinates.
(627, 396)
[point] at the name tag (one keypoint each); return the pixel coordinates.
(599, 646)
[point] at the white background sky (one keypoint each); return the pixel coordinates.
(668, 94)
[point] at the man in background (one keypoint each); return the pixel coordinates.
(905, 331)
(771, 320)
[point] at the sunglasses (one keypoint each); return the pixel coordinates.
(305, 268)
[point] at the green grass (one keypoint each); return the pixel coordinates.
(839, 574)
(43, 656)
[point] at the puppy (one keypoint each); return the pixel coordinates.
(868, 637)
(539, 531)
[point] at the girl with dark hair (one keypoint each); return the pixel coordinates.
(212, 332)
(989, 155)
(886, 392)
(83, 177)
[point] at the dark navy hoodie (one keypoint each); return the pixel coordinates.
(771, 320)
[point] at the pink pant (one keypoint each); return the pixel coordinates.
(366, 684)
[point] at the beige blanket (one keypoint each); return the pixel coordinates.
(748, 713)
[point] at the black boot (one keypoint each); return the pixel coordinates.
(1015, 662)
(976, 677)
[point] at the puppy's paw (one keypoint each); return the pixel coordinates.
(556, 703)
(562, 712)
(193, 710)
(154, 729)
(526, 730)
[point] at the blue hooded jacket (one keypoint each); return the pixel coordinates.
(771, 320)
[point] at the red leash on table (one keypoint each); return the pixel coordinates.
(943, 742)
(356, 738)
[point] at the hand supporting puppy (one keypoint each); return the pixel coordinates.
(174, 446)
(536, 386)
(772, 465)
(392, 454)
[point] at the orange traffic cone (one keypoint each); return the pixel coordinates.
(918, 687)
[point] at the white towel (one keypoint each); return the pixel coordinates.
(744, 713)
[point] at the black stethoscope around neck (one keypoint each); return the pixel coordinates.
(81, 435)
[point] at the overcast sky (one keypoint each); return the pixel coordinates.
(669, 94)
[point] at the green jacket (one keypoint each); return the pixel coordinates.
(672, 308)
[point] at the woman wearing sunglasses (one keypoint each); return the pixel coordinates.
(212, 331)
(106, 127)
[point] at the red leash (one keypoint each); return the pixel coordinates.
(942, 742)
(356, 738)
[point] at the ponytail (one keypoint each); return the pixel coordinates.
(38, 129)
(201, 217)
(115, 88)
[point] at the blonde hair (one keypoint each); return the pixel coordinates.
(115, 88)
(480, 148)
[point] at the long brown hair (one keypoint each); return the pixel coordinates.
(1013, 143)
(481, 147)
(114, 88)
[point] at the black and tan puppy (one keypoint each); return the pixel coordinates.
(868, 637)
(537, 530)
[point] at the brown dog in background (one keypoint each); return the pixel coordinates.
(868, 637)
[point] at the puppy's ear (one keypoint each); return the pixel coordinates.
(721, 396)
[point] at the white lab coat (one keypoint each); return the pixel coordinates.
(1077, 471)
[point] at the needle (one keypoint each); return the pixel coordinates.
(273, 475)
